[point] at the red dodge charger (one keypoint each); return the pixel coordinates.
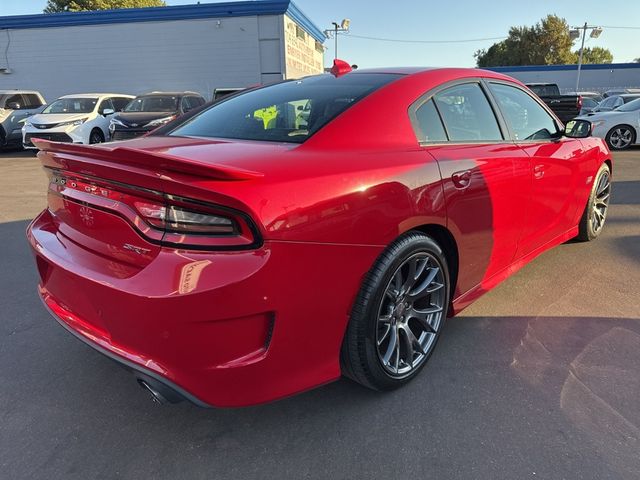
(280, 238)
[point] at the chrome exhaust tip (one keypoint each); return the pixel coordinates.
(156, 396)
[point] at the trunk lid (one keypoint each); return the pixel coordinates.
(99, 197)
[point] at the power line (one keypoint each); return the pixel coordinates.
(397, 40)
(469, 40)
(626, 28)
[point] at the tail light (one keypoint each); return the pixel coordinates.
(579, 102)
(175, 219)
(162, 218)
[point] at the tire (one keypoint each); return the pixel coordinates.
(595, 211)
(96, 136)
(382, 312)
(621, 137)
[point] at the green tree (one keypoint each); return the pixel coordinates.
(54, 6)
(594, 55)
(545, 43)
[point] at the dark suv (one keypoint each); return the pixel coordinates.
(148, 112)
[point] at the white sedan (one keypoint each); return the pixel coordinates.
(619, 127)
(80, 118)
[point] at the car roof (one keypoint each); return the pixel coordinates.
(630, 95)
(16, 91)
(93, 95)
(173, 94)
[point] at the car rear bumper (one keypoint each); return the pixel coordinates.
(71, 324)
(219, 328)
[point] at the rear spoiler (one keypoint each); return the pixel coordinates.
(149, 160)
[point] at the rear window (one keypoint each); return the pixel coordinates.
(285, 112)
(153, 103)
(545, 90)
(632, 106)
(72, 105)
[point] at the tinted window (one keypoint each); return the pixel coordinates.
(72, 105)
(429, 123)
(15, 99)
(527, 118)
(119, 103)
(189, 103)
(106, 103)
(285, 112)
(632, 106)
(607, 103)
(32, 100)
(588, 102)
(629, 99)
(545, 90)
(467, 114)
(153, 103)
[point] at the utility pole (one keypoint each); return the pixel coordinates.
(342, 27)
(584, 34)
(575, 33)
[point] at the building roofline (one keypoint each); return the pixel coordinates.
(547, 68)
(159, 14)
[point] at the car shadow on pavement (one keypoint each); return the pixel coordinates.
(626, 192)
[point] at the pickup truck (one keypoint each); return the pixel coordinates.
(566, 107)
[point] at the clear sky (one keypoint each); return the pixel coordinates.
(436, 21)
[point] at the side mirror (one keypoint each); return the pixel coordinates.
(578, 129)
(14, 106)
(108, 111)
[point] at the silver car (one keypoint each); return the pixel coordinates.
(15, 107)
(620, 127)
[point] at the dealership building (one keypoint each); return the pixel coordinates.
(200, 47)
(593, 77)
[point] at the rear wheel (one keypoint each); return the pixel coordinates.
(621, 137)
(595, 212)
(398, 314)
(96, 136)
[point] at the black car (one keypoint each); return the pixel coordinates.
(148, 112)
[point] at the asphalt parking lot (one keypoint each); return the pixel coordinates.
(538, 379)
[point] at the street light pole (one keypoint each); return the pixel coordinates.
(574, 33)
(584, 34)
(335, 30)
(338, 28)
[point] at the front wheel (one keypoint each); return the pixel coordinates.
(398, 314)
(621, 137)
(595, 212)
(96, 136)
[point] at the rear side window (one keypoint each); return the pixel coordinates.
(527, 118)
(429, 123)
(290, 111)
(189, 103)
(467, 114)
(104, 105)
(14, 99)
(31, 100)
(119, 103)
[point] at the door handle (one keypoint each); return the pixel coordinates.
(538, 171)
(462, 179)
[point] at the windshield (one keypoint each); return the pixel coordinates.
(153, 103)
(632, 106)
(72, 105)
(285, 112)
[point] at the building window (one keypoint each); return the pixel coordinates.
(319, 47)
(300, 33)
